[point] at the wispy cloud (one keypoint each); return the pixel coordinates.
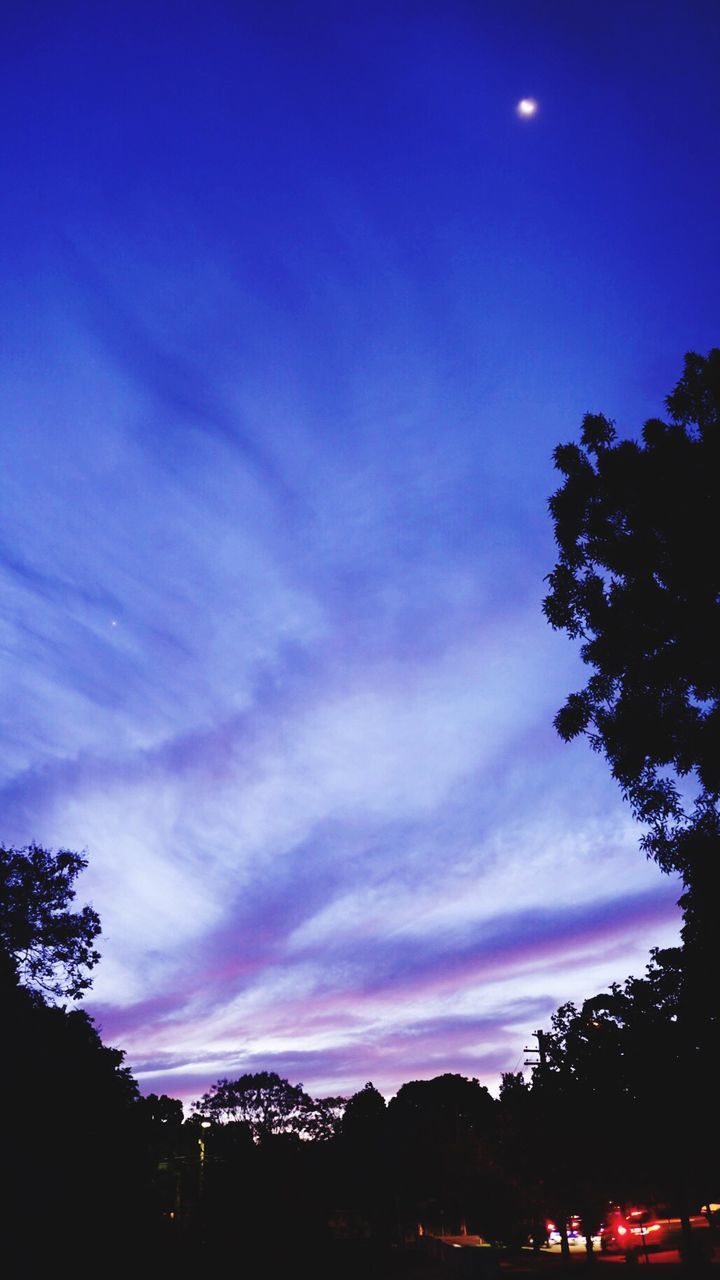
(292, 348)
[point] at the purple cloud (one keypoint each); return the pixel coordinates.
(292, 347)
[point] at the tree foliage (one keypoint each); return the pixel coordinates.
(47, 945)
(84, 1149)
(270, 1106)
(620, 1067)
(160, 1112)
(445, 1105)
(637, 581)
(364, 1115)
(441, 1131)
(69, 1137)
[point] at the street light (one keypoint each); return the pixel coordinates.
(204, 1124)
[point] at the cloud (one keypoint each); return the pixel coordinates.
(358, 846)
(275, 482)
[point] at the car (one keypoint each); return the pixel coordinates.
(613, 1230)
(639, 1230)
(573, 1228)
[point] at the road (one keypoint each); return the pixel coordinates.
(466, 1256)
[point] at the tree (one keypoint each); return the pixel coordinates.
(270, 1106)
(364, 1163)
(74, 1136)
(441, 1131)
(71, 1146)
(271, 1172)
(43, 942)
(638, 581)
(160, 1113)
(616, 1068)
(364, 1118)
(526, 1143)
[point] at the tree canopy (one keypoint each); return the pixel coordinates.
(637, 581)
(622, 1058)
(44, 943)
(269, 1106)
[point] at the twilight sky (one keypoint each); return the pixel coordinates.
(296, 308)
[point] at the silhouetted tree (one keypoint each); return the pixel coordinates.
(637, 581)
(365, 1182)
(270, 1105)
(441, 1132)
(45, 943)
(160, 1114)
(269, 1178)
(323, 1118)
(159, 1122)
(525, 1152)
(69, 1139)
(72, 1139)
(364, 1120)
(616, 1071)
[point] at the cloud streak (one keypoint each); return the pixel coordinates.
(294, 341)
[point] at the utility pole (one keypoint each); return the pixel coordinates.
(541, 1060)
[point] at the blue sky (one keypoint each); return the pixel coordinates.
(295, 310)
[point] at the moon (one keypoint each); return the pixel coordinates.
(526, 108)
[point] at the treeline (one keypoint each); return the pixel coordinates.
(607, 1115)
(611, 1112)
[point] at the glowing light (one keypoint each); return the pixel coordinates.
(527, 107)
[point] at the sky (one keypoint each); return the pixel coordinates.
(296, 307)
